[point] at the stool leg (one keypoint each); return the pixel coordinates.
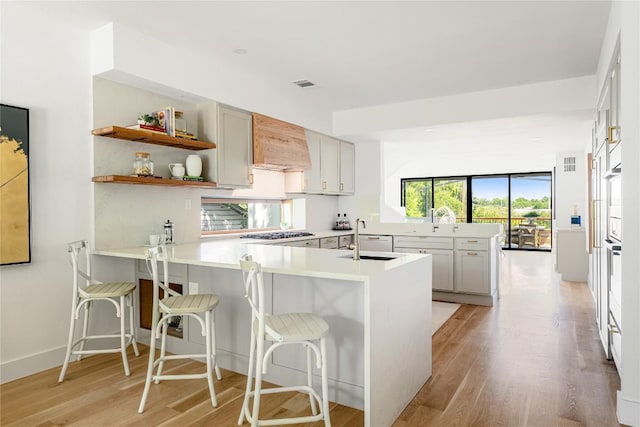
(258, 386)
(312, 400)
(85, 327)
(213, 345)
(209, 354)
(147, 383)
(72, 326)
(132, 330)
(325, 385)
(250, 373)
(163, 346)
(123, 337)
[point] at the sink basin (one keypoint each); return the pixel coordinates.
(373, 257)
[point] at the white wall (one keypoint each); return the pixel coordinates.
(571, 190)
(45, 67)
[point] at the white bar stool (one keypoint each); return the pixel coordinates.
(279, 330)
(174, 305)
(86, 292)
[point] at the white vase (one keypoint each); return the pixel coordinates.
(194, 165)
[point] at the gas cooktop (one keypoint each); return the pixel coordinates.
(276, 235)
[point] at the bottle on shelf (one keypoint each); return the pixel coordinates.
(168, 232)
(347, 223)
(337, 224)
(142, 164)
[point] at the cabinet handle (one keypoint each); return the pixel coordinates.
(472, 241)
(341, 187)
(610, 134)
(472, 253)
(324, 185)
(250, 178)
(373, 238)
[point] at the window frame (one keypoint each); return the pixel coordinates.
(286, 212)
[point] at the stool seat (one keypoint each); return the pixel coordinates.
(294, 327)
(182, 304)
(108, 290)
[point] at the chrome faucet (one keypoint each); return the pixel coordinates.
(356, 244)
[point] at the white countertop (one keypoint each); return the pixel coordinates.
(311, 262)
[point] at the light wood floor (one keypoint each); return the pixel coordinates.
(533, 360)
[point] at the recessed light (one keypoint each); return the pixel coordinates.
(240, 51)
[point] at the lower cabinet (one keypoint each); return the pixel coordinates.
(309, 243)
(330, 242)
(441, 251)
(462, 267)
(472, 272)
(145, 289)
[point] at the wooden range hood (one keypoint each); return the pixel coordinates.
(279, 145)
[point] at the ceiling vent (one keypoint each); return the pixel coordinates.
(303, 83)
(569, 164)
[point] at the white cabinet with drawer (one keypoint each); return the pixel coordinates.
(376, 242)
(329, 242)
(308, 243)
(473, 244)
(441, 251)
(345, 241)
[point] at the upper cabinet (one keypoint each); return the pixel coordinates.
(232, 164)
(332, 167)
(347, 167)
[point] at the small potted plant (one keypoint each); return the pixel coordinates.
(148, 119)
(531, 216)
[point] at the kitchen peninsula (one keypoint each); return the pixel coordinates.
(379, 314)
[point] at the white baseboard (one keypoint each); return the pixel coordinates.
(628, 411)
(32, 364)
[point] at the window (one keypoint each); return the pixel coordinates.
(232, 215)
(520, 202)
(421, 197)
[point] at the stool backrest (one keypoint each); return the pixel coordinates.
(254, 289)
(81, 262)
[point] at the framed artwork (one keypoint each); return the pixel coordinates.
(15, 220)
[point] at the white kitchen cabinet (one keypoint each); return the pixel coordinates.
(332, 167)
(330, 164)
(472, 272)
(230, 165)
(345, 241)
(308, 243)
(375, 242)
(441, 251)
(329, 242)
(347, 167)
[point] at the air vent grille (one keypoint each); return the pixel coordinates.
(569, 164)
(303, 83)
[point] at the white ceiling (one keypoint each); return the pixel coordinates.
(362, 53)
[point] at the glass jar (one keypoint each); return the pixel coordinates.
(142, 165)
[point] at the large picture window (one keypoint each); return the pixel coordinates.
(520, 202)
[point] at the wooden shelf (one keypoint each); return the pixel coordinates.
(149, 137)
(126, 179)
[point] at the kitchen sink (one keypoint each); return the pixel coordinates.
(373, 257)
